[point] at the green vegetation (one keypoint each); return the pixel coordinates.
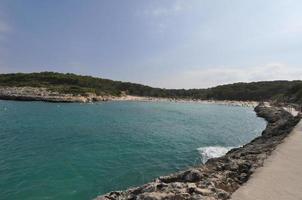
(288, 91)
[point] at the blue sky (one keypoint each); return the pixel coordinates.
(162, 43)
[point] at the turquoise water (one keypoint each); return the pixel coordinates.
(78, 151)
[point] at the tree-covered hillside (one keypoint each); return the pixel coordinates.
(289, 91)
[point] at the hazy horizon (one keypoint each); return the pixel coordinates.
(166, 44)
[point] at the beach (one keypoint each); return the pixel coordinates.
(179, 100)
(44, 94)
(240, 169)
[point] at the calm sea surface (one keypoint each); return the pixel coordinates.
(78, 151)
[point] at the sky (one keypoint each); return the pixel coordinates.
(161, 43)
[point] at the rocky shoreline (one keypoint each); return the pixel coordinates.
(218, 178)
(43, 94)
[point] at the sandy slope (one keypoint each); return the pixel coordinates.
(281, 176)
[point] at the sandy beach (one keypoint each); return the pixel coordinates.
(281, 176)
(159, 99)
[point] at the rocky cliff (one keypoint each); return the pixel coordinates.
(218, 178)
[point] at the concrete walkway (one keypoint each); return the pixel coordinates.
(281, 176)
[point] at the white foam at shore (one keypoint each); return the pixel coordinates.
(212, 152)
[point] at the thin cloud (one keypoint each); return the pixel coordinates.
(159, 17)
(164, 11)
(4, 25)
(293, 28)
(4, 28)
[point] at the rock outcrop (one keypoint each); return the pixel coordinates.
(43, 94)
(218, 178)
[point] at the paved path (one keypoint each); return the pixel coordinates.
(281, 176)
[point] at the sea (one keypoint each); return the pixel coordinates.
(76, 151)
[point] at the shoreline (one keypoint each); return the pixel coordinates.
(160, 99)
(42, 94)
(219, 177)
